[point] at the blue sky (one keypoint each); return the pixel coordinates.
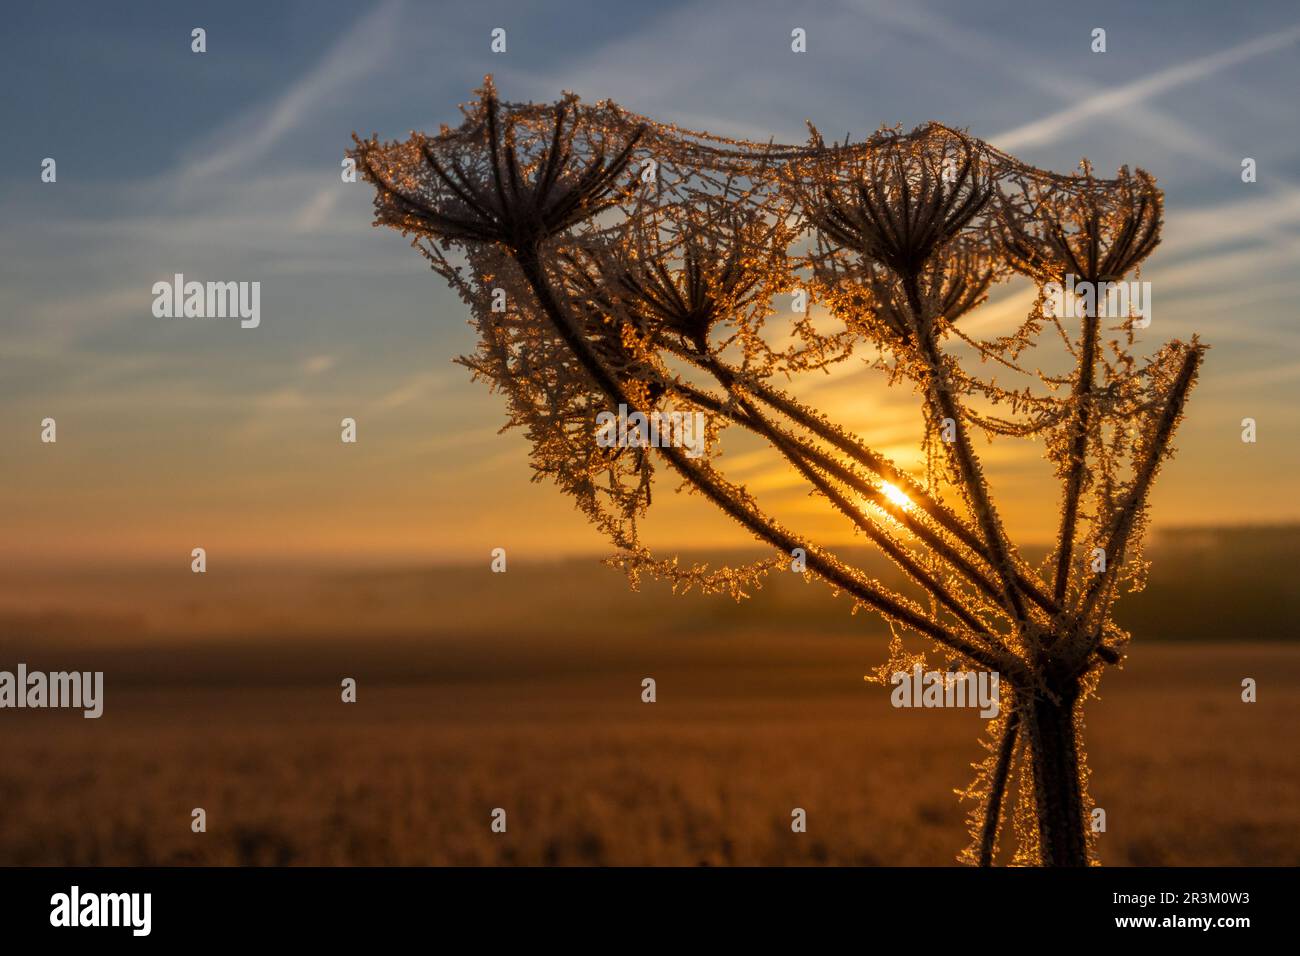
(225, 165)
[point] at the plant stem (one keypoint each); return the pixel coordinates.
(998, 787)
(963, 453)
(1124, 520)
(1078, 448)
(1058, 789)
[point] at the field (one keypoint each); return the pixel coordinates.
(469, 701)
(588, 774)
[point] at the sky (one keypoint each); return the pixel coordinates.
(225, 165)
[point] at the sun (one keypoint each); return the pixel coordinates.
(895, 495)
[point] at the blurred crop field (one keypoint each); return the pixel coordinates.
(589, 775)
(522, 691)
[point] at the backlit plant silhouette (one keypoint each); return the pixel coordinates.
(610, 260)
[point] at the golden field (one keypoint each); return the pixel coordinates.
(529, 699)
(588, 774)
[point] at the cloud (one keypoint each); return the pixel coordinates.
(316, 364)
(317, 210)
(1187, 230)
(417, 387)
(361, 49)
(1115, 101)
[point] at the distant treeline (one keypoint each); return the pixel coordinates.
(1204, 584)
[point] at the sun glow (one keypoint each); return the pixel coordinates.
(895, 495)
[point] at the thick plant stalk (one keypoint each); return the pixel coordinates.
(1078, 450)
(973, 484)
(1058, 785)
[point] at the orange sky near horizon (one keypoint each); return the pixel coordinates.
(135, 477)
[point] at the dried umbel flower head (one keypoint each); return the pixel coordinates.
(1096, 231)
(957, 281)
(875, 303)
(490, 182)
(683, 271)
(902, 199)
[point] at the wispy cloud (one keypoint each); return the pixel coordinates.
(1115, 101)
(417, 387)
(362, 48)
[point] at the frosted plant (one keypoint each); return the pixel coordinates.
(642, 264)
